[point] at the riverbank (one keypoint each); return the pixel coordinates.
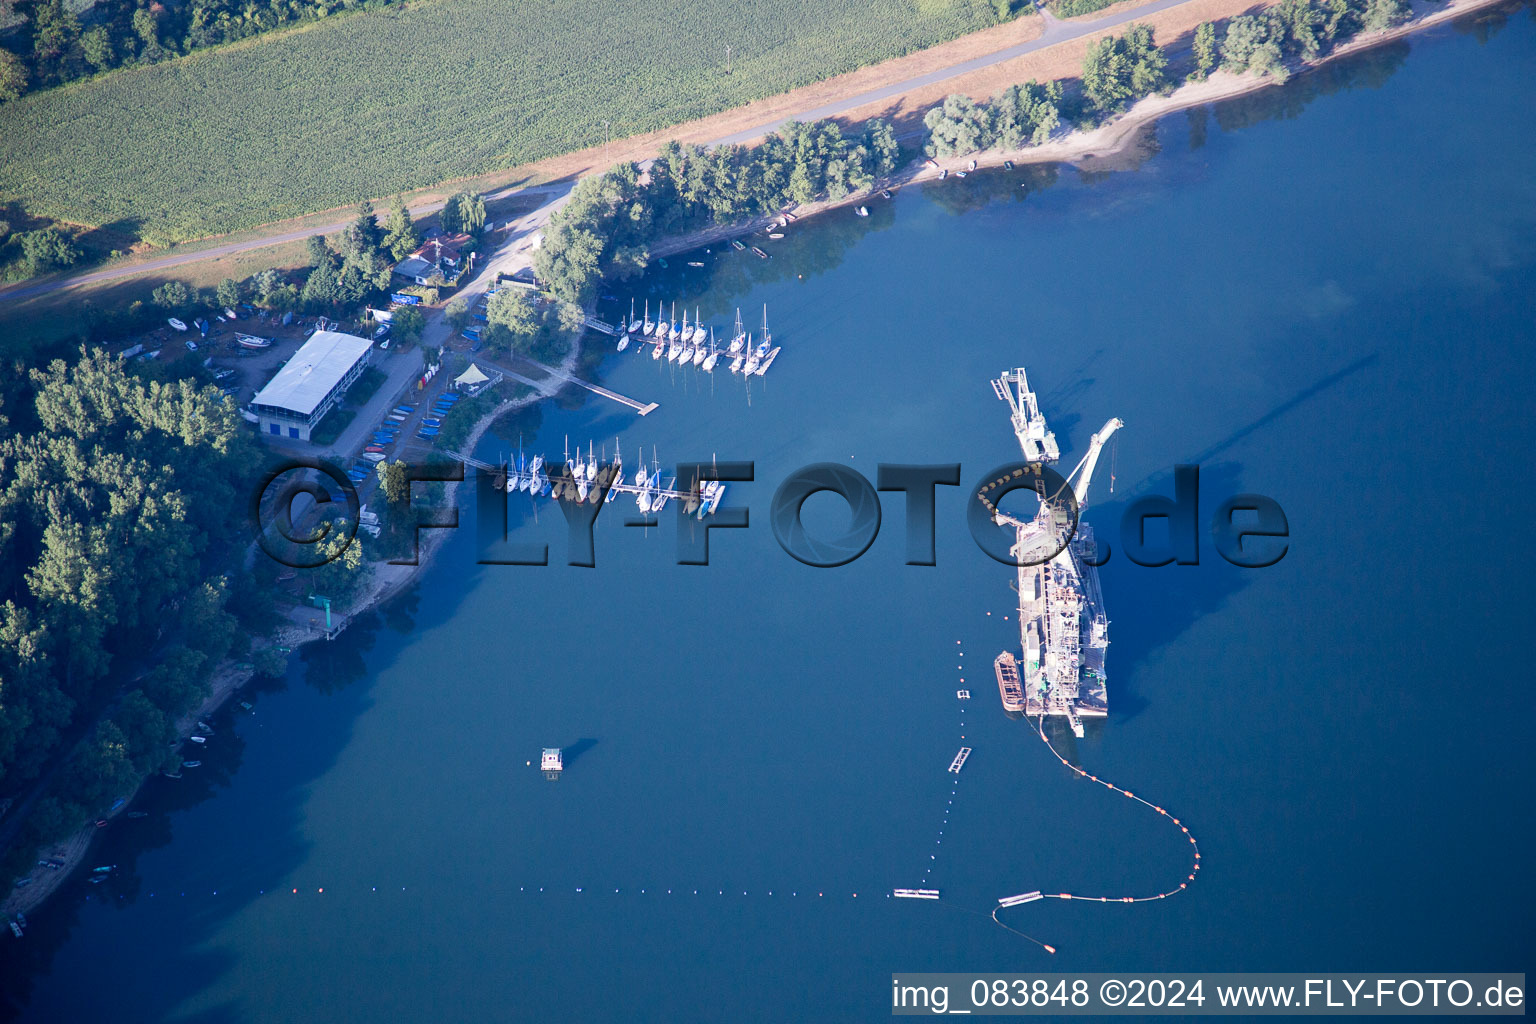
(1103, 147)
(1076, 147)
(228, 678)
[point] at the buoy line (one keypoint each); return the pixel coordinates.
(1013, 901)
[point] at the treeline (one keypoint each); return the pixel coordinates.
(115, 499)
(1119, 70)
(612, 219)
(56, 45)
(1021, 115)
(339, 277)
(1291, 30)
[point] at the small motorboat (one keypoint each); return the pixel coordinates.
(943, 173)
(886, 193)
(1007, 165)
(694, 263)
(862, 211)
(736, 244)
(775, 234)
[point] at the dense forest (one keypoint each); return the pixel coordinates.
(115, 499)
(55, 45)
(612, 219)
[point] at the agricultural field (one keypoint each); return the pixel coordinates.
(405, 97)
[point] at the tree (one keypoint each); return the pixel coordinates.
(880, 141)
(54, 29)
(96, 45)
(1252, 44)
(172, 295)
(316, 251)
(1205, 51)
(471, 212)
(1119, 70)
(457, 312)
(146, 26)
(451, 219)
(406, 324)
(227, 293)
(571, 317)
(395, 479)
(511, 309)
(958, 127)
(13, 75)
(363, 232)
(1382, 14)
(400, 236)
(47, 248)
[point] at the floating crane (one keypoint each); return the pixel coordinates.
(1063, 630)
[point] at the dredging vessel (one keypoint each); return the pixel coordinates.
(1063, 627)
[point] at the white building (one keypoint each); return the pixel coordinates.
(310, 384)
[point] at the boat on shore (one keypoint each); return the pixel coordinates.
(177, 324)
(252, 341)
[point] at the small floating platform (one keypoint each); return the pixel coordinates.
(916, 894)
(959, 761)
(1023, 897)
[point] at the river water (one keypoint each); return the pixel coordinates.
(1320, 293)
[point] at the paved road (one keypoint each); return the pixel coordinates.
(1056, 31)
(27, 290)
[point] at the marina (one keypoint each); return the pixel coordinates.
(594, 479)
(685, 344)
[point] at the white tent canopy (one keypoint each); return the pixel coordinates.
(471, 376)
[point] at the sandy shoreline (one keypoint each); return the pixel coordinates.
(1073, 147)
(1103, 143)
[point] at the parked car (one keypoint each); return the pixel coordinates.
(191, 345)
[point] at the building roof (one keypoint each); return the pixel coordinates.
(436, 250)
(473, 375)
(316, 368)
(414, 267)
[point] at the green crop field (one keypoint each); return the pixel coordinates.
(400, 98)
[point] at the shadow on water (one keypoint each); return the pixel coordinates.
(570, 754)
(312, 740)
(1170, 599)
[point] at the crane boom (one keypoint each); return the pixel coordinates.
(1083, 473)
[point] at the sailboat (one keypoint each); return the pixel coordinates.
(661, 347)
(766, 352)
(675, 349)
(710, 360)
(741, 357)
(663, 327)
(634, 325)
(740, 335)
(647, 327)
